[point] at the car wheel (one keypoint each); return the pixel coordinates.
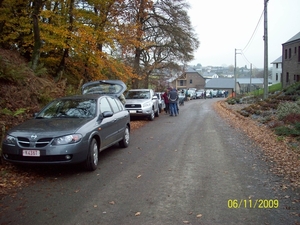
(92, 158)
(126, 138)
(152, 115)
(157, 113)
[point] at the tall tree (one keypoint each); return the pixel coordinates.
(164, 36)
(37, 5)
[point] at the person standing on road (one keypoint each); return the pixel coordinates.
(173, 97)
(166, 100)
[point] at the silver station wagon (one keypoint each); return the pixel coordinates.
(72, 129)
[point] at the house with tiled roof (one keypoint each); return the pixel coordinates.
(291, 61)
(190, 78)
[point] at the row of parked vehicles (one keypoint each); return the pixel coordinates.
(208, 93)
(75, 129)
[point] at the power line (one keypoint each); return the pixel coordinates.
(254, 30)
(243, 54)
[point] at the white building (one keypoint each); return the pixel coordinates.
(277, 70)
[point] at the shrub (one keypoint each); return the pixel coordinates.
(291, 130)
(286, 108)
(292, 118)
(288, 131)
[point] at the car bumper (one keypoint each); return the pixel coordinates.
(63, 154)
(140, 112)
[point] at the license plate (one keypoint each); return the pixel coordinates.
(132, 111)
(32, 153)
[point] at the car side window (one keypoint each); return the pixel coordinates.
(104, 105)
(114, 105)
(119, 103)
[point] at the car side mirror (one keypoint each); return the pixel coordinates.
(107, 114)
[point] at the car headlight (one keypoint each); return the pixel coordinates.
(10, 140)
(68, 139)
(147, 104)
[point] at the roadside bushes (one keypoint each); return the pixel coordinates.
(289, 112)
(286, 108)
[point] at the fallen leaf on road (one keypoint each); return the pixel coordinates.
(199, 215)
(112, 202)
(138, 214)
(95, 206)
(138, 176)
(186, 222)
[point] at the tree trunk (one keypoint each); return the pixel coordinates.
(62, 65)
(37, 4)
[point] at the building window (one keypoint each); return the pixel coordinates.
(181, 83)
(276, 65)
(295, 50)
(285, 53)
(299, 54)
(191, 81)
(287, 77)
(276, 76)
(290, 53)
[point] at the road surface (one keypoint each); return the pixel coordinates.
(189, 169)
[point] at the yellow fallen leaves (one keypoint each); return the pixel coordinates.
(137, 214)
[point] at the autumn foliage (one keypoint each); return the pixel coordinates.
(97, 39)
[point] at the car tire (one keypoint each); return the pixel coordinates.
(157, 113)
(152, 115)
(124, 143)
(93, 154)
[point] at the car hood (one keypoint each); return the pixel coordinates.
(49, 127)
(137, 101)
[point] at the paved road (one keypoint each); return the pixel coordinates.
(190, 169)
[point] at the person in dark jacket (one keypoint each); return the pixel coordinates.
(173, 97)
(166, 100)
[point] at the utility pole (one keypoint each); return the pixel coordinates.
(250, 77)
(266, 70)
(235, 75)
(235, 71)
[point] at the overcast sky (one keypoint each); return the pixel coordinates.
(225, 25)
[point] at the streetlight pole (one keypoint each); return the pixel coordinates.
(266, 70)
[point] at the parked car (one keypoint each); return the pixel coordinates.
(181, 97)
(161, 103)
(220, 94)
(214, 93)
(199, 93)
(72, 129)
(192, 93)
(142, 103)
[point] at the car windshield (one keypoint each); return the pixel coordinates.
(73, 108)
(102, 88)
(137, 95)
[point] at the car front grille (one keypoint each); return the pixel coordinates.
(132, 106)
(25, 142)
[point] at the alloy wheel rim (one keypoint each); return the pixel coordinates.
(95, 154)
